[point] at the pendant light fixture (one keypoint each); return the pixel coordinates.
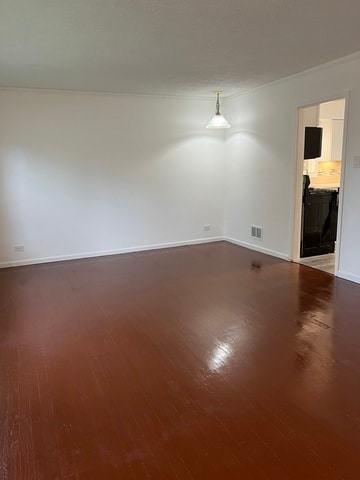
(218, 120)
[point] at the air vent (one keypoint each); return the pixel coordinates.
(256, 232)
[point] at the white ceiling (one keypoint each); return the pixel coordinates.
(176, 47)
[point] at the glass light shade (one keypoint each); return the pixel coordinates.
(218, 121)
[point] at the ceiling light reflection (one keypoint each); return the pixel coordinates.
(220, 356)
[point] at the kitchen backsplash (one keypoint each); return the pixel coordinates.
(323, 174)
(332, 168)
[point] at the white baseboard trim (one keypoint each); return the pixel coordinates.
(103, 253)
(142, 248)
(258, 248)
(348, 276)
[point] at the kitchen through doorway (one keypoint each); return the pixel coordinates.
(320, 162)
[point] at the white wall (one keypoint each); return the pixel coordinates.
(261, 159)
(82, 174)
(260, 156)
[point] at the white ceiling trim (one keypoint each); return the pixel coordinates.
(99, 93)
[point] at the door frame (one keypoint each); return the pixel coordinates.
(299, 165)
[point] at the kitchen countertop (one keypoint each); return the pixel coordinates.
(326, 186)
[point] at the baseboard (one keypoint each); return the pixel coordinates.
(258, 248)
(348, 276)
(103, 253)
(142, 248)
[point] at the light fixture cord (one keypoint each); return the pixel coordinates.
(217, 112)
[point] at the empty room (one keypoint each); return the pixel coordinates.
(179, 240)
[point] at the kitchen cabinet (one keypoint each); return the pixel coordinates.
(337, 139)
(332, 142)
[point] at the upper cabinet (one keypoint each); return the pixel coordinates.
(332, 142)
(337, 139)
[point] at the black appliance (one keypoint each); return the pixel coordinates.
(319, 220)
(313, 142)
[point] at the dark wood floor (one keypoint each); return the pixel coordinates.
(202, 362)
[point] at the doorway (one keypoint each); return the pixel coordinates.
(319, 182)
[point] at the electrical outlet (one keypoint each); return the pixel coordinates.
(19, 248)
(357, 161)
(207, 228)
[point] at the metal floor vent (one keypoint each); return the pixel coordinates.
(256, 232)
